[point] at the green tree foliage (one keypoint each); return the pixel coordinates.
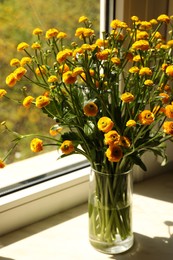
(17, 20)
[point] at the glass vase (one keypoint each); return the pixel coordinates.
(110, 211)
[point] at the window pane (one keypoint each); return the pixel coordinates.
(17, 20)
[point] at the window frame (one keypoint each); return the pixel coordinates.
(45, 199)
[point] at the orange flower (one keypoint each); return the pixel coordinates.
(69, 77)
(124, 141)
(105, 124)
(168, 127)
(2, 164)
(28, 101)
(169, 111)
(165, 97)
(163, 18)
(127, 97)
(112, 137)
(90, 109)
(55, 130)
(36, 145)
(114, 153)
(63, 55)
(67, 147)
(3, 92)
(146, 117)
(11, 80)
(19, 72)
(42, 101)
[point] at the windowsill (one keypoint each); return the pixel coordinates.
(65, 235)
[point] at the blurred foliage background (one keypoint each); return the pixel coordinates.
(17, 20)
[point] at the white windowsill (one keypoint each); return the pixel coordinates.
(65, 235)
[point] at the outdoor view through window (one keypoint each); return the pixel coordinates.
(18, 19)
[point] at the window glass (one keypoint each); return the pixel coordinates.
(17, 21)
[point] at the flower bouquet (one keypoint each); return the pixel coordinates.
(110, 99)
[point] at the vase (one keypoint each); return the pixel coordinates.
(110, 211)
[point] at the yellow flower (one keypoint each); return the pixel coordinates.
(52, 79)
(41, 70)
(51, 33)
(63, 55)
(103, 55)
(3, 92)
(36, 145)
(25, 60)
(114, 153)
(134, 69)
(102, 43)
(2, 164)
(145, 25)
(15, 62)
(67, 147)
(112, 137)
(27, 101)
(84, 32)
(69, 77)
(19, 72)
(105, 124)
(146, 117)
(148, 82)
(168, 127)
(77, 71)
(37, 31)
(63, 68)
(116, 60)
(169, 70)
(11, 80)
(55, 130)
(42, 101)
(127, 97)
(83, 19)
(131, 123)
(170, 43)
(169, 111)
(141, 45)
(142, 35)
(118, 24)
(90, 109)
(145, 71)
(163, 18)
(61, 35)
(135, 18)
(22, 46)
(137, 58)
(36, 46)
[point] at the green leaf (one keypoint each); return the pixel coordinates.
(89, 128)
(137, 160)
